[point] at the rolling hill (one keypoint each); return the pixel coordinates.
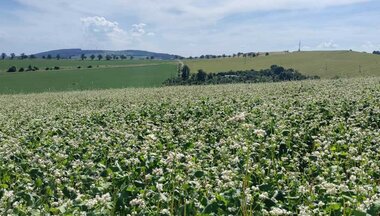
(326, 64)
(76, 53)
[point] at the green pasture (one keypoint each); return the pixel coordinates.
(107, 77)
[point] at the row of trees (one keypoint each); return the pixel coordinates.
(273, 74)
(13, 56)
(29, 68)
(376, 52)
(83, 57)
(237, 55)
(109, 57)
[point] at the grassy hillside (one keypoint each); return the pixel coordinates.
(72, 64)
(324, 64)
(105, 77)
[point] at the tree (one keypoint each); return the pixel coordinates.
(123, 57)
(152, 57)
(83, 57)
(132, 57)
(58, 57)
(3, 56)
(30, 68)
(49, 57)
(201, 76)
(92, 57)
(267, 54)
(108, 57)
(32, 56)
(23, 56)
(185, 72)
(100, 57)
(13, 55)
(12, 69)
(277, 69)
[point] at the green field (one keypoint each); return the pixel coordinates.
(109, 74)
(294, 148)
(72, 64)
(330, 64)
(151, 73)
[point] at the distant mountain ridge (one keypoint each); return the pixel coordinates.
(76, 53)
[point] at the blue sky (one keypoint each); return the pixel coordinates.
(189, 27)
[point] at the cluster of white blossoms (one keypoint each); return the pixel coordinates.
(295, 148)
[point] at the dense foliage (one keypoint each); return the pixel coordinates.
(306, 148)
(274, 74)
(29, 68)
(376, 52)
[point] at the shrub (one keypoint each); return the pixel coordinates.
(21, 70)
(30, 68)
(273, 74)
(12, 69)
(56, 68)
(90, 66)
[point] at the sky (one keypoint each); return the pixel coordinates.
(189, 27)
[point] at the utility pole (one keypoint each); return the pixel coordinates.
(299, 47)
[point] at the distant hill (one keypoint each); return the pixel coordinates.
(76, 53)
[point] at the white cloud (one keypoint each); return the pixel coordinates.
(328, 45)
(370, 46)
(101, 28)
(215, 26)
(101, 32)
(138, 29)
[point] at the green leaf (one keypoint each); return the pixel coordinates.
(39, 182)
(269, 203)
(335, 206)
(54, 211)
(198, 174)
(222, 199)
(358, 213)
(279, 195)
(62, 209)
(374, 210)
(265, 187)
(211, 208)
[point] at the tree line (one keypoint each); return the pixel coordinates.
(82, 57)
(376, 52)
(273, 74)
(235, 55)
(13, 69)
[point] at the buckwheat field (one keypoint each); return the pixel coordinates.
(296, 148)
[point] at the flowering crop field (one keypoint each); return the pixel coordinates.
(296, 148)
